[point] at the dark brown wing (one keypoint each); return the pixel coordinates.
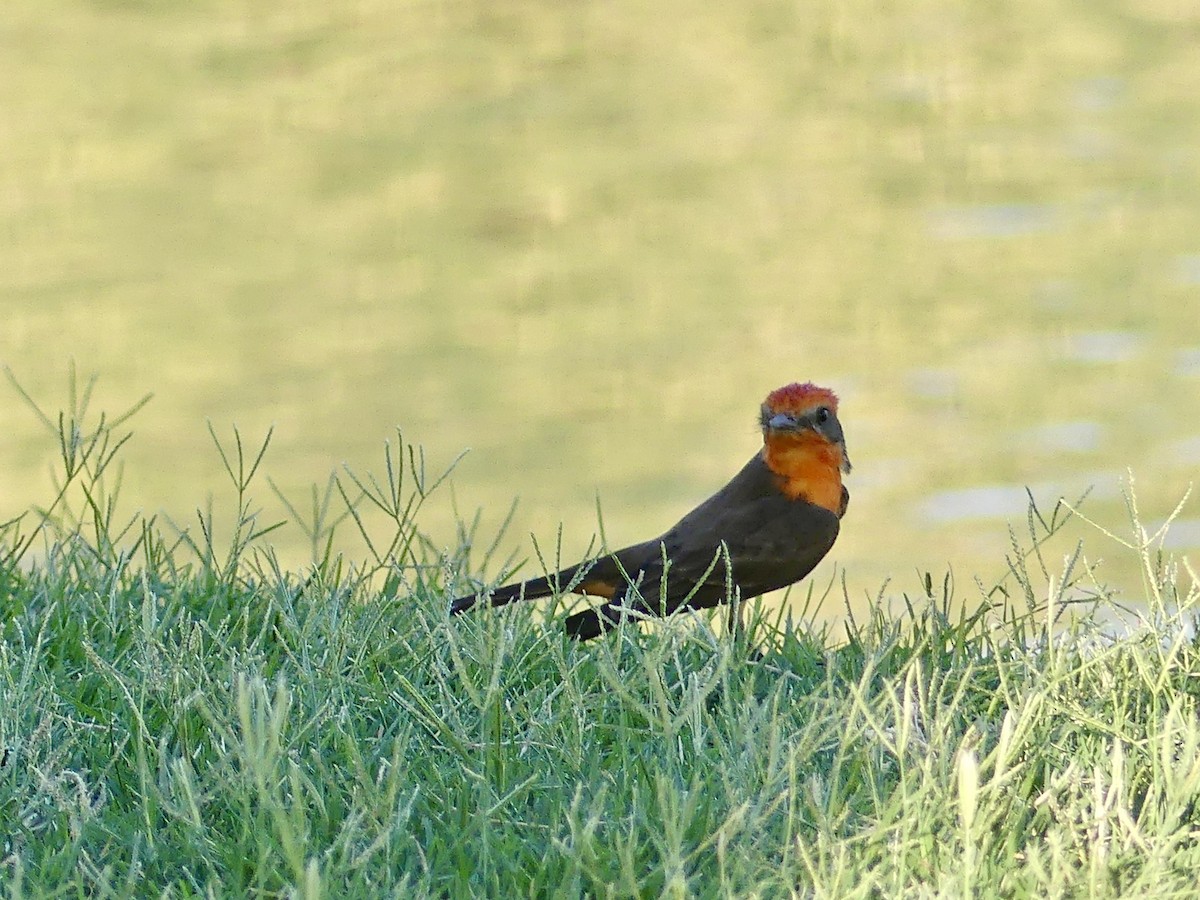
(771, 542)
(601, 577)
(776, 543)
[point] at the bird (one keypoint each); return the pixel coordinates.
(766, 529)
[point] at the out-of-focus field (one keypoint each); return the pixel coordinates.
(585, 239)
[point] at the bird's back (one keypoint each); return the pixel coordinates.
(771, 540)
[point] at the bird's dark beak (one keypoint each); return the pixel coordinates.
(846, 467)
(781, 422)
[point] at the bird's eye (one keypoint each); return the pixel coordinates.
(823, 415)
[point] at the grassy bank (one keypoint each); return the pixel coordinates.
(181, 717)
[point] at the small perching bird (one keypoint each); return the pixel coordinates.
(764, 530)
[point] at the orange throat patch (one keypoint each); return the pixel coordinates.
(808, 467)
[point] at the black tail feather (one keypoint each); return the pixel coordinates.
(502, 596)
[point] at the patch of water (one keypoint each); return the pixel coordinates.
(1187, 361)
(1183, 534)
(995, 501)
(993, 220)
(1103, 346)
(1059, 295)
(1004, 501)
(1185, 450)
(1098, 94)
(1187, 268)
(1076, 436)
(934, 384)
(1091, 144)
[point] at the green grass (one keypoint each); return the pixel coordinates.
(180, 717)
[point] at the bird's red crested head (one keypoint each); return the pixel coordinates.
(803, 443)
(798, 399)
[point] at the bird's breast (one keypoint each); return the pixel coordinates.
(806, 468)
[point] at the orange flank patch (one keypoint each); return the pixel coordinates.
(596, 588)
(808, 467)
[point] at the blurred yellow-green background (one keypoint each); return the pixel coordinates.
(585, 239)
